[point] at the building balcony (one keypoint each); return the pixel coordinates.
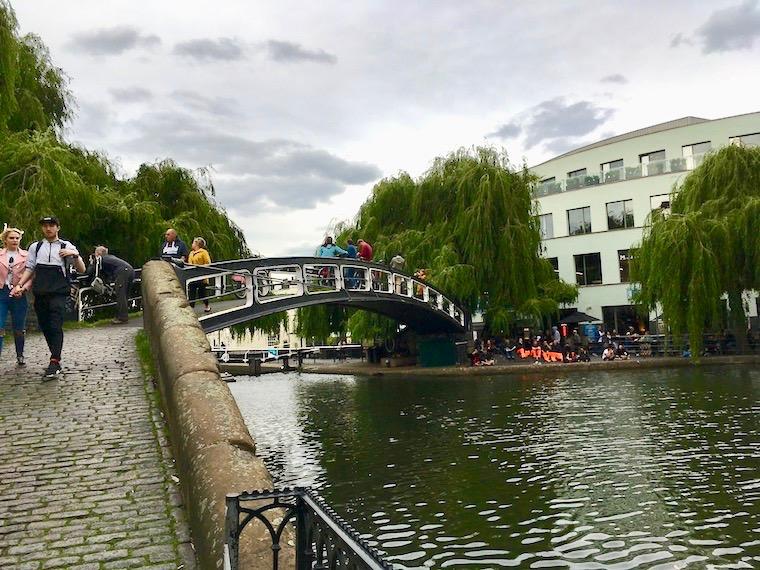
(613, 175)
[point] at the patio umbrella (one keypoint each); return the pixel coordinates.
(578, 317)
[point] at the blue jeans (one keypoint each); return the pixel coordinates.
(17, 308)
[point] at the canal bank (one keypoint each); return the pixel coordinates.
(503, 368)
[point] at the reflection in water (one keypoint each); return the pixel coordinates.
(653, 469)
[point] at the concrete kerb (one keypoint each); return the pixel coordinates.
(214, 450)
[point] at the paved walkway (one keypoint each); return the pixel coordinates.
(85, 468)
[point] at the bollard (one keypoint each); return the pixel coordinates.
(254, 367)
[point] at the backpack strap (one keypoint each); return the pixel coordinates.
(37, 249)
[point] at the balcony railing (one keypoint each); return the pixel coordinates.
(653, 168)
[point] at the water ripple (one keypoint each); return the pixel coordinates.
(611, 471)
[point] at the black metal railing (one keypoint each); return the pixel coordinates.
(324, 541)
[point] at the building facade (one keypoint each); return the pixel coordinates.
(594, 202)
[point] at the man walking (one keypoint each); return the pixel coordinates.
(48, 262)
(120, 273)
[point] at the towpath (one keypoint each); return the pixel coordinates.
(86, 475)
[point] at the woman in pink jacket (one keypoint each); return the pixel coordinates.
(12, 265)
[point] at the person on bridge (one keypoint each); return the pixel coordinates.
(48, 263)
(365, 250)
(117, 271)
(199, 256)
(351, 250)
(12, 265)
(173, 246)
(329, 249)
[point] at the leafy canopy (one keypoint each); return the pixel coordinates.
(40, 174)
(708, 246)
(470, 221)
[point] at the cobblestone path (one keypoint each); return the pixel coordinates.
(85, 468)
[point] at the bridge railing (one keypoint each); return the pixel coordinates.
(262, 283)
(323, 539)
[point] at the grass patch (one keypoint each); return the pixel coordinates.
(75, 325)
(145, 354)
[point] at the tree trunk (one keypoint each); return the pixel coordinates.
(737, 320)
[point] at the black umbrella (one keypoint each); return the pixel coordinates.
(578, 317)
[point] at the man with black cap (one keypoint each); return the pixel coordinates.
(48, 263)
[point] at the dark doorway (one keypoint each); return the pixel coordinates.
(619, 318)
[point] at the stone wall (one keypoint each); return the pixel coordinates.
(215, 453)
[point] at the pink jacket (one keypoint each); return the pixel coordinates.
(19, 265)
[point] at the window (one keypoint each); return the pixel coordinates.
(547, 226)
(659, 202)
(692, 156)
(273, 340)
(746, 140)
(588, 269)
(577, 173)
(620, 215)
(549, 186)
(624, 257)
(579, 221)
(612, 171)
(652, 163)
(555, 265)
(696, 148)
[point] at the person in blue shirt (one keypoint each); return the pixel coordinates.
(351, 249)
(329, 249)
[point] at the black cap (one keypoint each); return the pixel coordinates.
(50, 220)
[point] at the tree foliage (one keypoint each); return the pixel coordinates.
(33, 92)
(40, 174)
(708, 246)
(470, 221)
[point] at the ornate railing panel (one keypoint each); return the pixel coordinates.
(268, 285)
(324, 540)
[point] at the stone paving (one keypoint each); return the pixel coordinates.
(86, 475)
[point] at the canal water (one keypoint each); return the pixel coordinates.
(618, 470)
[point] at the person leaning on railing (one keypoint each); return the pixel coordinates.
(117, 271)
(199, 255)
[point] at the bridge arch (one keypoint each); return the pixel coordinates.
(270, 285)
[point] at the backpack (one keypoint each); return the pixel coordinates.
(66, 260)
(98, 285)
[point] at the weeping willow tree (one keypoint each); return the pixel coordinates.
(33, 92)
(41, 174)
(707, 247)
(470, 222)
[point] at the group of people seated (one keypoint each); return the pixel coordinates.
(549, 347)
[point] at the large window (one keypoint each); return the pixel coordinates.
(588, 269)
(746, 140)
(620, 214)
(547, 226)
(659, 202)
(692, 156)
(577, 173)
(652, 163)
(624, 258)
(612, 171)
(579, 221)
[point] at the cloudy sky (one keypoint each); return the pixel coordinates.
(300, 107)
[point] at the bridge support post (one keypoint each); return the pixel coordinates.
(254, 366)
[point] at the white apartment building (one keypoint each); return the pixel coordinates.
(595, 200)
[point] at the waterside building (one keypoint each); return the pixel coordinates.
(595, 200)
